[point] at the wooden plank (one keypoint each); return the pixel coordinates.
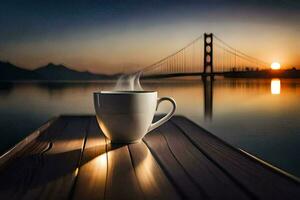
(91, 178)
(12, 153)
(51, 174)
(152, 180)
(260, 180)
(122, 182)
(61, 161)
(171, 167)
(184, 161)
(204, 172)
(19, 169)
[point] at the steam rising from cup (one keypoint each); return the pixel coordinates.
(129, 82)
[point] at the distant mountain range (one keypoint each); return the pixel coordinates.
(53, 72)
(10, 72)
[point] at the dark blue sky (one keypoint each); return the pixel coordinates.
(36, 32)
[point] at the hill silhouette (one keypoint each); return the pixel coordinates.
(53, 72)
(10, 72)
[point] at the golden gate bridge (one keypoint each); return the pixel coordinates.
(207, 55)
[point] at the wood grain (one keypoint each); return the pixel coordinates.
(50, 174)
(72, 159)
(92, 173)
(204, 173)
(60, 164)
(260, 180)
(24, 144)
(16, 177)
(152, 180)
(121, 182)
(172, 168)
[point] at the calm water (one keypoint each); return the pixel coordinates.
(259, 116)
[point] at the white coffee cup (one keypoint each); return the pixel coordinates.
(126, 116)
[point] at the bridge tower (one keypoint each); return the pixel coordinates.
(208, 76)
(208, 54)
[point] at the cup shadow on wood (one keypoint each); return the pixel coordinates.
(40, 168)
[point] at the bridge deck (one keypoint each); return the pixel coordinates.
(69, 158)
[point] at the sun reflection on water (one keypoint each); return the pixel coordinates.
(275, 86)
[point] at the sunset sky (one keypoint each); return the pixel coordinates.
(107, 36)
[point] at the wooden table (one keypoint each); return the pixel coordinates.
(69, 158)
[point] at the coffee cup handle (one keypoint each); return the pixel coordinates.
(165, 118)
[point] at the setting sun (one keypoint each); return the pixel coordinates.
(275, 65)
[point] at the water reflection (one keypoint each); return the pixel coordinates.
(275, 86)
(244, 112)
(208, 97)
